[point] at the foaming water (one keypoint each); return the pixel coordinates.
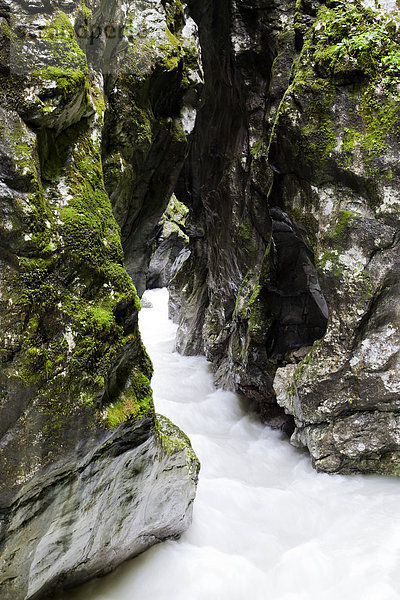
(266, 525)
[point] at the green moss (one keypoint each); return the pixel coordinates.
(246, 238)
(171, 52)
(69, 298)
(101, 319)
(351, 38)
(74, 306)
(351, 137)
(242, 292)
(366, 286)
(354, 47)
(344, 220)
(175, 15)
(36, 288)
(98, 100)
(300, 370)
(257, 147)
(256, 321)
(135, 403)
(318, 130)
(172, 39)
(317, 127)
(88, 224)
(250, 306)
(173, 439)
(141, 120)
(67, 64)
(245, 231)
(352, 41)
(380, 121)
(67, 81)
(6, 30)
(254, 294)
(330, 258)
(174, 219)
(176, 211)
(178, 54)
(86, 11)
(118, 413)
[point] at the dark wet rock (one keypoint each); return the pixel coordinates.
(229, 295)
(151, 112)
(292, 181)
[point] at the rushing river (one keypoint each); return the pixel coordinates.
(266, 525)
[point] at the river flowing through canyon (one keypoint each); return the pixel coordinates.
(266, 525)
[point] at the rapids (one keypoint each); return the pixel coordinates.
(266, 525)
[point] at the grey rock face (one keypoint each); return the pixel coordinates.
(170, 246)
(293, 185)
(156, 108)
(129, 492)
(344, 395)
(76, 410)
(225, 297)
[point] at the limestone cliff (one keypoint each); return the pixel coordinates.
(291, 284)
(96, 100)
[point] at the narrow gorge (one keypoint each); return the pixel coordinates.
(242, 153)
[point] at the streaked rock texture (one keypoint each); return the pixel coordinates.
(341, 116)
(95, 104)
(293, 184)
(170, 246)
(132, 489)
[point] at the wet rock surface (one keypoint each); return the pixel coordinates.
(292, 181)
(134, 488)
(75, 397)
(170, 246)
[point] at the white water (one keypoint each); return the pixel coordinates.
(266, 526)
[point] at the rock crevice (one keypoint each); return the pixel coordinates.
(300, 214)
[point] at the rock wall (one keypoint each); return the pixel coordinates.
(293, 185)
(170, 245)
(95, 103)
(342, 109)
(230, 297)
(102, 505)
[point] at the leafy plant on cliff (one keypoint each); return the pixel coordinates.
(357, 49)
(357, 44)
(353, 38)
